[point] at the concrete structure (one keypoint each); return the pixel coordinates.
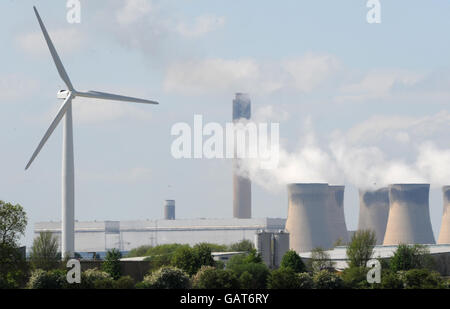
(336, 216)
(169, 210)
(65, 111)
(409, 215)
(440, 253)
(280, 247)
(272, 246)
(374, 212)
(307, 221)
(126, 235)
(264, 245)
(444, 234)
(242, 187)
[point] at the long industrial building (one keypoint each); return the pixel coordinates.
(101, 236)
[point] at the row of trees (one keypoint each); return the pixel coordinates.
(182, 266)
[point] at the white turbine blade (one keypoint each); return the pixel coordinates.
(59, 116)
(113, 97)
(62, 72)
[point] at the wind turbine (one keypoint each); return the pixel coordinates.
(65, 111)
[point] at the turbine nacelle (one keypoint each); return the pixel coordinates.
(63, 94)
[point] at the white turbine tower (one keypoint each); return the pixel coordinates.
(68, 196)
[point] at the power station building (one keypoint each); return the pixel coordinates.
(101, 236)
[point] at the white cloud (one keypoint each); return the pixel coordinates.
(309, 71)
(65, 40)
(303, 74)
(376, 85)
(14, 87)
(201, 26)
(133, 11)
(212, 75)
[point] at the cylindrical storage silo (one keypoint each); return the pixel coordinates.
(444, 235)
(409, 215)
(336, 216)
(280, 247)
(169, 210)
(307, 222)
(374, 212)
(263, 244)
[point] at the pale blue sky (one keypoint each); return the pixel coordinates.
(317, 67)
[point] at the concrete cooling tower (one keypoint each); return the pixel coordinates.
(409, 215)
(242, 186)
(444, 235)
(307, 221)
(374, 212)
(336, 216)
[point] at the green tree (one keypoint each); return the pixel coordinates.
(166, 278)
(203, 255)
(242, 246)
(408, 257)
(292, 260)
(44, 253)
(13, 221)
(52, 279)
(209, 277)
(111, 264)
(186, 259)
(355, 277)
(422, 279)
(320, 260)
(253, 265)
(360, 249)
(390, 280)
(283, 278)
(305, 281)
(13, 267)
(326, 280)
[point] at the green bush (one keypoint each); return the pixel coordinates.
(53, 279)
(305, 281)
(166, 278)
(327, 280)
(242, 246)
(211, 278)
(408, 257)
(422, 279)
(192, 259)
(355, 278)
(252, 265)
(44, 253)
(124, 283)
(390, 280)
(90, 276)
(283, 278)
(111, 264)
(292, 260)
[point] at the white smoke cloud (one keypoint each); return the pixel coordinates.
(363, 160)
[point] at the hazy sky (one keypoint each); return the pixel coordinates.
(357, 103)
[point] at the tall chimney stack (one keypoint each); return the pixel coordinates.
(409, 215)
(242, 186)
